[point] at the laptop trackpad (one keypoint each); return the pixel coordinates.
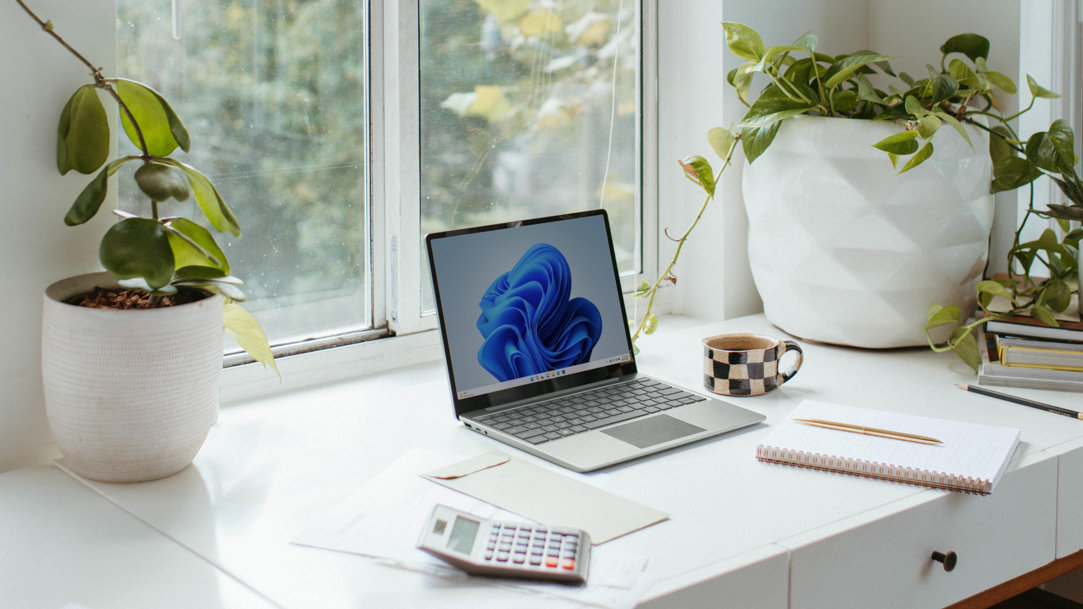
(651, 431)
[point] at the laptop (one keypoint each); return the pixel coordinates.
(538, 350)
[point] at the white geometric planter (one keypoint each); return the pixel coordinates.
(130, 395)
(846, 250)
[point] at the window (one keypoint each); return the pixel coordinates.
(530, 109)
(518, 107)
(274, 96)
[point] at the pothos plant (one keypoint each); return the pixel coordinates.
(1047, 153)
(859, 85)
(158, 254)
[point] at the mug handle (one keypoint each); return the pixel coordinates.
(791, 346)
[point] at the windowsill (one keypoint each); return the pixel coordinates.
(318, 368)
(350, 362)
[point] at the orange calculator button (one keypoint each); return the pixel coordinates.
(569, 564)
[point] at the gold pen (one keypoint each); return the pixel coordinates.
(870, 431)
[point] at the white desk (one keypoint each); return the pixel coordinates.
(743, 532)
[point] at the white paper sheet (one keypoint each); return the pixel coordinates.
(400, 495)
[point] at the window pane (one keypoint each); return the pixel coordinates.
(530, 108)
(273, 93)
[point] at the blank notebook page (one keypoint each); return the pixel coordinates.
(968, 450)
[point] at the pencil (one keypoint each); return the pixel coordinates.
(870, 431)
(1023, 401)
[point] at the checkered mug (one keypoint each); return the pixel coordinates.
(747, 364)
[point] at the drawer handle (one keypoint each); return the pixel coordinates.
(948, 559)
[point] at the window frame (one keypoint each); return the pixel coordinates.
(404, 333)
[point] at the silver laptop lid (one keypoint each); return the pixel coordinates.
(529, 308)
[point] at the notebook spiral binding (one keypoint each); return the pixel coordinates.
(873, 469)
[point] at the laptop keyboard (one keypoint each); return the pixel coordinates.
(565, 416)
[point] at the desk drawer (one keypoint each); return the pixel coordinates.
(1070, 503)
(887, 562)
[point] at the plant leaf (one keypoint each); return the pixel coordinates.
(138, 247)
(866, 92)
(942, 86)
(194, 245)
(1057, 294)
(843, 68)
(1013, 172)
(987, 289)
(971, 45)
(82, 137)
(1063, 141)
(162, 129)
(721, 140)
(756, 141)
(928, 125)
(919, 157)
(1001, 81)
(966, 347)
(224, 287)
(901, 143)
(845, 101)
(962, 72)
(914, 107)
(743, 41)
(955, 124)
(1070, 212)
(999, 148)
(162, 182)
(93, 194)
(1041, 151)
(698, 169)
(650, 324)
(1043, 315)
(741, 79)
(1038, 91)
(941, 316)
(244, 329)
(808, 42)
(209, 199)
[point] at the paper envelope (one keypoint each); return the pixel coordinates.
(545, 496)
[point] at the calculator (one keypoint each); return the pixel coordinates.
(506, 549)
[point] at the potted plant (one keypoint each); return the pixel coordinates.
(904, 230)
(131, 357)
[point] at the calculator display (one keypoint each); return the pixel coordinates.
(463, 534)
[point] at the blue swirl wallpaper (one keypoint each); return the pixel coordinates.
(529, 323)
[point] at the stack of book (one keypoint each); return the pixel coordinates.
(1023, 352)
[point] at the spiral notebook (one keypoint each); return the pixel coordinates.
(970, 458)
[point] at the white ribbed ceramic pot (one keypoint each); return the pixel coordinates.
(846, 250)
(130, 395)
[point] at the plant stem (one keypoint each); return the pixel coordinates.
(664, 275)
(47, 26)
(99, 81)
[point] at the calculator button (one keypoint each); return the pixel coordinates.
(535, 559)
(519, 558)
(551, 562)
(502, 556)
(489, 555)
(568, 564)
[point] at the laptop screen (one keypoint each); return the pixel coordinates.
(528, 308)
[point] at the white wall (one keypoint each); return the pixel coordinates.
(35, 245)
